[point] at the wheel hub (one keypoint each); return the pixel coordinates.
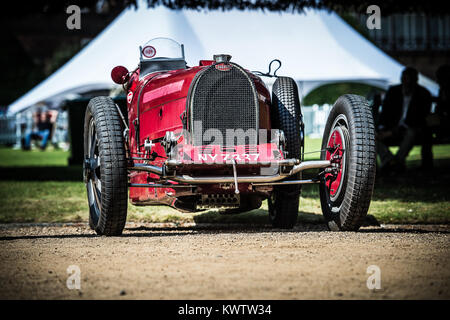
(89, 165)
(335, 153)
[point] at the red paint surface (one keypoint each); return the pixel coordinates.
(162, 101)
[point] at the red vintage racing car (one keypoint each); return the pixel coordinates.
(213, 136)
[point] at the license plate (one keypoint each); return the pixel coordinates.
(254, 157)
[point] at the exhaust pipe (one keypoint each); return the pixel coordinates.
(147, 168)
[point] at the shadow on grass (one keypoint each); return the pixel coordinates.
(416, 230)
(260, 218)
(302, 227)
(144, 231)
(37, 173)
(93, 235)
(255, 217)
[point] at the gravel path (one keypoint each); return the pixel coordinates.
(158, 261)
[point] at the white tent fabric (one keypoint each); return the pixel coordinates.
(315, 48)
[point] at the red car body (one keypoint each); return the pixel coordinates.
(163, 100)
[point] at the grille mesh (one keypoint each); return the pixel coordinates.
(224, 100)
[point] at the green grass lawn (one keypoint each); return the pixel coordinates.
(38, 186)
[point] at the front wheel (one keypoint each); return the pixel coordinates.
(349, 143)
(105, 167)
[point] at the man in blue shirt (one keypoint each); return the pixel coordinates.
(42, 130)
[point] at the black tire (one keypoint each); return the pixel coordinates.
(105, 166)
(345, 203)
(286, 115)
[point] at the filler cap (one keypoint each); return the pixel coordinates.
(222, 58)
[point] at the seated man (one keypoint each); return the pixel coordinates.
(43, 127)
(402, 120)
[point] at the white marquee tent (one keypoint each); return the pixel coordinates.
(315, 48)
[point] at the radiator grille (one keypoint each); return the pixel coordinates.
(224, 98)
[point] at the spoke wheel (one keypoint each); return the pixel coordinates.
(338, 143)
(349, 143)
(92, 172)
(105, 167)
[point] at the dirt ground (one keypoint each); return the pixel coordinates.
(157, 261)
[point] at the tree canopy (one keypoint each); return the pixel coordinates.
(388, 7)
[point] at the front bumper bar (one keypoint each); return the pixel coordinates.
(256, 179)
